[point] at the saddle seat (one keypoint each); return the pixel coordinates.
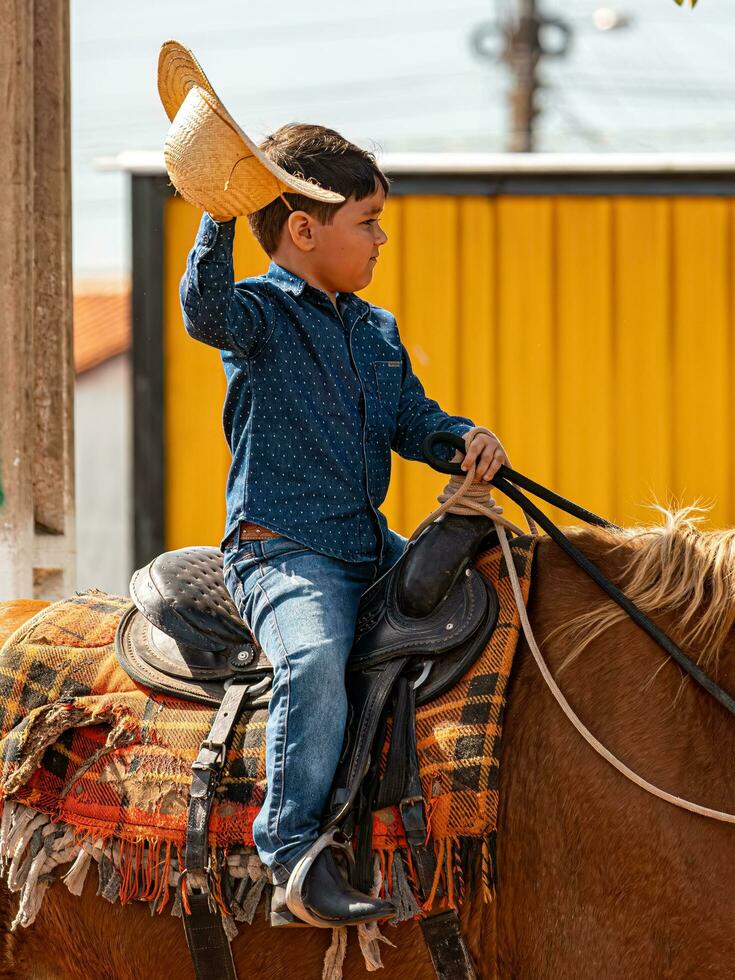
(184, 636)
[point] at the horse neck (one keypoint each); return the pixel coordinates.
(624, 687)
(573, 833)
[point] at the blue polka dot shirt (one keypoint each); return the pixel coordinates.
(317, 397)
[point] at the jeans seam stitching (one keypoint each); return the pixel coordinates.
(288, 705)
(281, 867)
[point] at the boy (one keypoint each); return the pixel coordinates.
(319, 389)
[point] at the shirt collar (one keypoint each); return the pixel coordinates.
(291, 283)
(288, 281)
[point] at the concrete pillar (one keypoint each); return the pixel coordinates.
(37, 549)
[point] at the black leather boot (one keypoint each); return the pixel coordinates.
(330, 898)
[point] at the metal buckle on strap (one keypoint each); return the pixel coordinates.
(209, 762)
(198, 881)
(211, 756)
(211, 745)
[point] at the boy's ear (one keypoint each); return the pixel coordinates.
(301, 229)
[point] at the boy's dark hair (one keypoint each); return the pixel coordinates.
(323, 155)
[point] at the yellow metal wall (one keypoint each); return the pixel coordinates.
(592, 334)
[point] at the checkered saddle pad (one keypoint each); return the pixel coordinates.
(92, 755)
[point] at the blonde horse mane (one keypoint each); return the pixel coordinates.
(674, 568)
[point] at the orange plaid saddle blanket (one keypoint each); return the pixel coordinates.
(96, 768)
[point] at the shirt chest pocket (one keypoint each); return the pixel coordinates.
(388, 381)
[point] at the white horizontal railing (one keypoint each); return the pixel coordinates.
(151, 162)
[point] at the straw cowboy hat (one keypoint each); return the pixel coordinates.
(210, 160)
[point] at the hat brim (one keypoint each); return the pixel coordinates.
(178, 73)
(286, 181)
(178, 70)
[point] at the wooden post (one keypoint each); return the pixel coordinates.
(523, 55)
(37, 550)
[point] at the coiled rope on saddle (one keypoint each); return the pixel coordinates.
(468, 496)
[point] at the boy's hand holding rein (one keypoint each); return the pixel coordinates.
(484, 449)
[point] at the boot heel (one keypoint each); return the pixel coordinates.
(285, 917)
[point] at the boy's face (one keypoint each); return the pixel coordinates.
(344, 253)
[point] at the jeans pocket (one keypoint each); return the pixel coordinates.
(240, 577)
(274, 549)
(237, 552)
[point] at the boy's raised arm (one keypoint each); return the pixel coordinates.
(419, 415)
(216, 310)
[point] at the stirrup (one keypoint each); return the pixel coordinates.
(294, 899)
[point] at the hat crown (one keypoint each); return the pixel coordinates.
(211, 161)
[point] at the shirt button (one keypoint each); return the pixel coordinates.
(205, 239)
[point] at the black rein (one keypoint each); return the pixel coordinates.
(507, 481)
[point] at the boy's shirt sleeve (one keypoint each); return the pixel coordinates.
(217, 310)
(419, 415)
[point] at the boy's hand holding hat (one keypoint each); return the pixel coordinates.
(212, 163)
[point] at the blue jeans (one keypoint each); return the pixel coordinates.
(302, 608)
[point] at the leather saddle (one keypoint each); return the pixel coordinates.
(183, 635)
(419, 629)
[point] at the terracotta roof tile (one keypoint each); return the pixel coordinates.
(101, 322)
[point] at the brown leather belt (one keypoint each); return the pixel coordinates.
(254, 532)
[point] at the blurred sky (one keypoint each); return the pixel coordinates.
(391, 75)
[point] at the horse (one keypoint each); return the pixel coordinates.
(595, 877)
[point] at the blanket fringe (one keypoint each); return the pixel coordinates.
(33, 848)
(335, 956)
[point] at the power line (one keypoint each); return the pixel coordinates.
(255, 37)
(520, 37)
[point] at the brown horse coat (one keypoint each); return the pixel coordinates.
(597, 879)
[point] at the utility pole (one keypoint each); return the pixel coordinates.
(37, 535)
(522, 47)
(522, 55)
